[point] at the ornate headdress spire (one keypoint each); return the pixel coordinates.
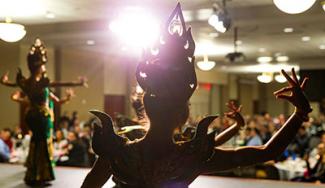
(167, 70)
(37, 55)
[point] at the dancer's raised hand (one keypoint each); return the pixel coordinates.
(234, 113)
(296, 94)
(5, 78)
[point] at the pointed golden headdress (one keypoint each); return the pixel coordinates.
(37, 55)
(167, 70)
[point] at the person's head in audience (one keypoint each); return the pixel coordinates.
(321, 149)
(282, 119)
(251, 123)
(75, 114)
(64, 124)
(267, 116)
(18, 134)
(59, 135)
(72, 136)
(252, 132)
(5, 134)
(4, 148)
(77, 129)
(302, 131)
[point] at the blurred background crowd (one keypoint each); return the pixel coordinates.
(303, 159)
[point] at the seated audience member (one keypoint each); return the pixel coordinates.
(64, 127)
(85, 137)
(317, 173)
(301, 142)
(6, 136)
(20, 148)
(4, 151)
(265, 133)
(60, 145)
(76, 152)
(74, 121)
(253, 138)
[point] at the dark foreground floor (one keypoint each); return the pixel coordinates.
(11, 176)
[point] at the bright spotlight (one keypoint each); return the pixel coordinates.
(135, 27)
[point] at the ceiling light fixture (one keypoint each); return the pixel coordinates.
(322, 46)
(265, 77)
(50, 15)
(235, 57)
(288, 30)
(282, 58)
(305, 38)
(239, 42)
(205, 65)
(280, 78)
(323, 5)
(294, 6)
(264, 59)
(220, 19)
(90, 42)
(11, 32)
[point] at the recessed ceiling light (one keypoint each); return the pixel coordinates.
(214, 34)
(50, 15)
(322, 46)
(261, 49)
(305, 38)
(288, 30)
(239, 42)
(90, 42)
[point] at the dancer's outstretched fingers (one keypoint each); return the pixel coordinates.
(303, 84)
(285, 97)
(283, 90)
(239, 108)
(294, 76)
(291, 82)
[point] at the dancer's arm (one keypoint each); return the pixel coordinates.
(82, 82)
(234, 114)
(223, 159)
(17, 97)
(5, 80)
(98, 175)
(67, 98)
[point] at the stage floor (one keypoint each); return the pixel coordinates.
(11, 176)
